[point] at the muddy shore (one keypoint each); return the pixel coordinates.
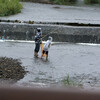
(11, 70)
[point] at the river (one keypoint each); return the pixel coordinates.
(80, 61)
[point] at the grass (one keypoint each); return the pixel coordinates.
(68, 82)
(9, 7)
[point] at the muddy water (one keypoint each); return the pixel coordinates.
(80, 61)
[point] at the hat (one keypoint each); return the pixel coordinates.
(39, 29)
(50, 38)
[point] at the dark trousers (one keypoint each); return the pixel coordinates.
(37, 47)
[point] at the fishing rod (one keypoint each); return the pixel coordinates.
(50, 33)
(43, 38)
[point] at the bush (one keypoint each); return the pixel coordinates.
(99, 1)
(64, 2)
(9, 7)
(91, 1)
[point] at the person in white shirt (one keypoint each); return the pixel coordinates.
(46, 47)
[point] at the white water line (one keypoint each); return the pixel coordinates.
(26, 41)
(90, 44)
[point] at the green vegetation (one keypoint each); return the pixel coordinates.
(92, 1)
(27, 0)
(9, 7)
(63, 2)
(68, 82)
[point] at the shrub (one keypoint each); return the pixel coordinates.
(9, 7)
(64, 2)
(99, 1)
(91, 1)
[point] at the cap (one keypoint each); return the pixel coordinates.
(50, 38)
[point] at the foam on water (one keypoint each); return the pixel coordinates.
(90, 44)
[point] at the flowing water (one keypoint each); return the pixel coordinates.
(80, 61)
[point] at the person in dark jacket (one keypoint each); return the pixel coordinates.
(38, 39)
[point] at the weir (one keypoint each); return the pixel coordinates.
(60, 33)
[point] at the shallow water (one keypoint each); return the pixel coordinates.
(57, 13)
(80, 61)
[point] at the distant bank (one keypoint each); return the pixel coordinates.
(66, 2)
(50, 1)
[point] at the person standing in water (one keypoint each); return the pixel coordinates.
(46, 47)
(38, 39)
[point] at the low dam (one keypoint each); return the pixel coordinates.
(60, 33)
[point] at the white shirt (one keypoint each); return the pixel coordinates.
(47, 45)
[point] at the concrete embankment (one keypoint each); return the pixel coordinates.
(60, 33)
